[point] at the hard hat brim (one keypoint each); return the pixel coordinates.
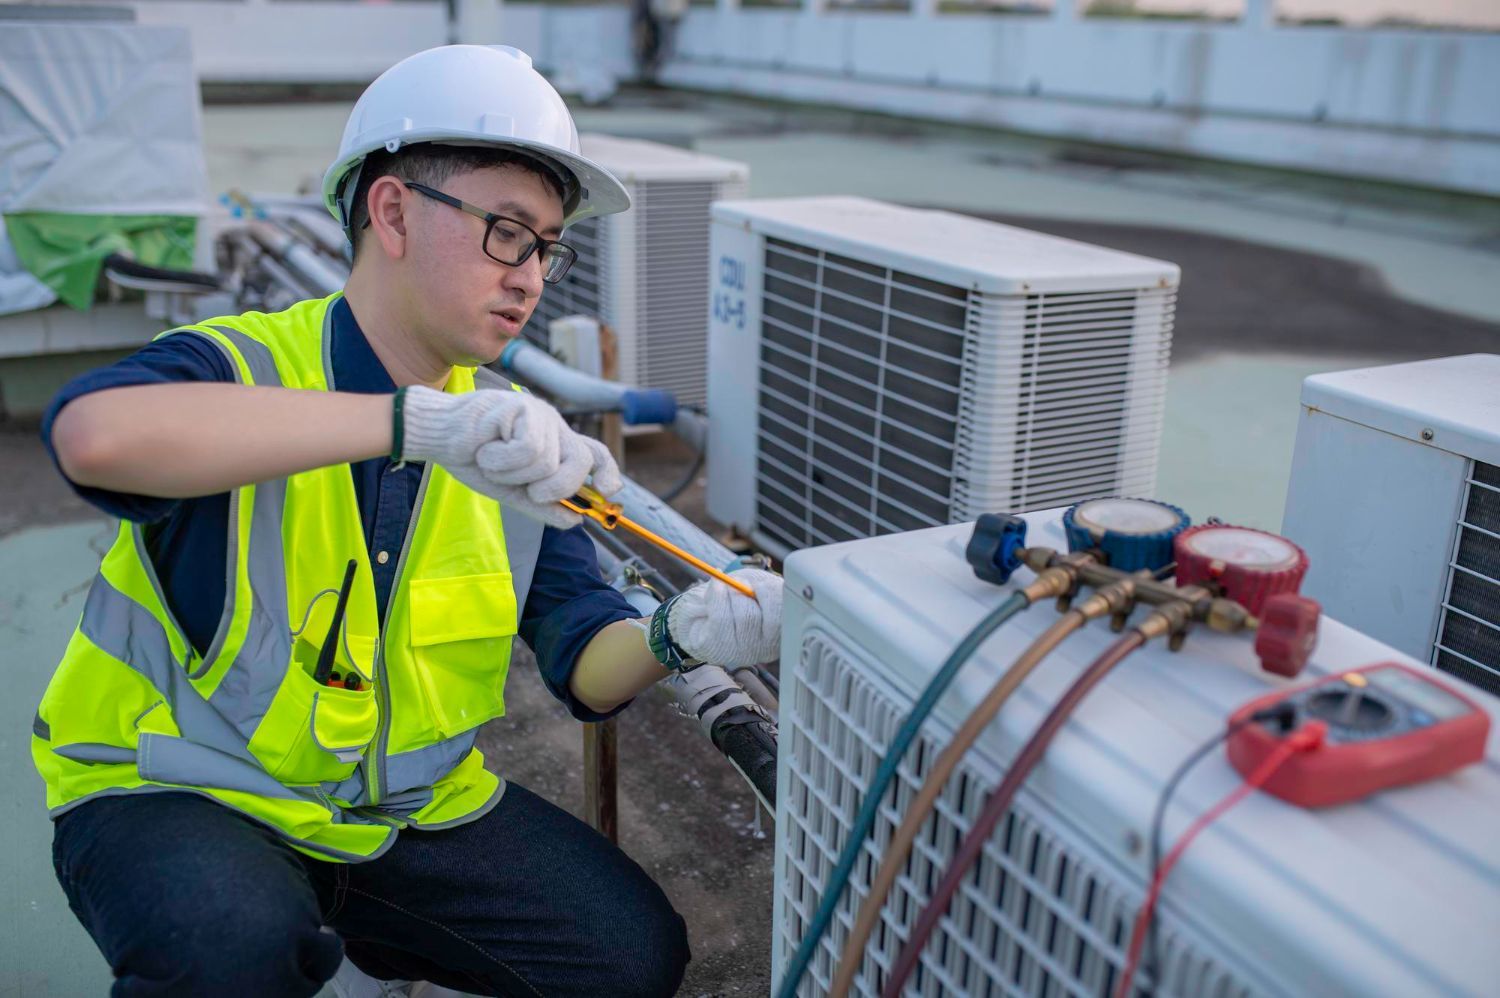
(599, 191)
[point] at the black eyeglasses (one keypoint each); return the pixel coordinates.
(509, 241)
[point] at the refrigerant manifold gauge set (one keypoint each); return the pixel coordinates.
(1337, 739)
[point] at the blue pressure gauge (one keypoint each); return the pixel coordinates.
(1132, 533)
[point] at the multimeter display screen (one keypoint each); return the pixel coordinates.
(1425, 696)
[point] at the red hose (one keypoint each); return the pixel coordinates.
(998, 804)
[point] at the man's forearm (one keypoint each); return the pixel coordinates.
(183, 440)
(614, 667)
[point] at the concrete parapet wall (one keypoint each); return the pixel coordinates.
(1409, 106)
(1419, 107)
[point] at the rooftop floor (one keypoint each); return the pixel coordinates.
(1283, 276)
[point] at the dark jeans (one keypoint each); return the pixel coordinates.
(185, 897)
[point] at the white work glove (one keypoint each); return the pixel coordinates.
(714, 623)
(508, 445)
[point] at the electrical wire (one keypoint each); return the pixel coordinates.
(687, 479)
(1304, 739)
(864, 821)
(1283, 713)
(998, 804)
(932, 788)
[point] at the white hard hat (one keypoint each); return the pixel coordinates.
(471, 95)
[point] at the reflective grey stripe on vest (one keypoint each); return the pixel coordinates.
(421, 767)
(523, 535)
(523, 545)
(95, 752)
(245, 693)
(125, 630)
(166, 759)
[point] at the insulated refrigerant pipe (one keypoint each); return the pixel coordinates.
(656, 515)
(636, 406)
(739, 727)
(316, 270)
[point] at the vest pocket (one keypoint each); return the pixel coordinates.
(461, 632)
(312, 733)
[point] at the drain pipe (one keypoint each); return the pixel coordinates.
(742, 729)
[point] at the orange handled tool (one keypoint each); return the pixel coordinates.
(607, 514)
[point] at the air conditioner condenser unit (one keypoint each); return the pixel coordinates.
(875, 368)
(645, 271)
(1395, 495)
(1393, 895)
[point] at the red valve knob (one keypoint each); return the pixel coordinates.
(1248, 566)
(1287, 634)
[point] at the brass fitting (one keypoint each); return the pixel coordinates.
(1050, 582)
(1228, 616)
(1056, 575)
(1170, 619)
(1038, 559)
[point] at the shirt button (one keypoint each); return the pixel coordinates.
(383, 557)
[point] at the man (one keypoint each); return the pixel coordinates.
(264, 723)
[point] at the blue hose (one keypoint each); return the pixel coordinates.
(865, 820)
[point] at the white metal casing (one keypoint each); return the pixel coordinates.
(876, 368)
(1395, 495)
(645, 272)
(1393, 896)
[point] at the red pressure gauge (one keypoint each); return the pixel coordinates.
(1248, 566)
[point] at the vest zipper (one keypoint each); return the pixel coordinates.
(375, 755)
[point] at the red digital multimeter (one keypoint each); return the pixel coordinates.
(1387, 725)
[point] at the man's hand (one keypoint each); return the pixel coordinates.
(509, 445)
(713, 623)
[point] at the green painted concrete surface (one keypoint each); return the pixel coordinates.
(44, 577)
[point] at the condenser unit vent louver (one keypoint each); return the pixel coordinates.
(1468, 643)
(1041, 915)
(980, 367)
(645, 272)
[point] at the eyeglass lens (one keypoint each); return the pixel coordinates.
(512, 244)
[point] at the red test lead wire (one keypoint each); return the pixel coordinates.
(1306, 738)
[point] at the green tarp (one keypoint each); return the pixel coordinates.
(64, 251)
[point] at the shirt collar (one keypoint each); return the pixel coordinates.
(355, 366)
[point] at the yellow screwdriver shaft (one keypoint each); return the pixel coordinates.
(607, 514)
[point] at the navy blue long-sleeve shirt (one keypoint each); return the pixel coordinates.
(568, 602)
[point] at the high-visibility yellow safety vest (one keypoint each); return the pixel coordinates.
(133, 708)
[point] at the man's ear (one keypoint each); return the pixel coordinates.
(387, 204)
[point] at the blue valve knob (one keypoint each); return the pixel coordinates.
(1132, 533)
(995, 547)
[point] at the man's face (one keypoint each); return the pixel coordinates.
(468, 305)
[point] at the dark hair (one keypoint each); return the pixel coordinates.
(431, 164)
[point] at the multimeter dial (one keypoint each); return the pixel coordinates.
(1132, 533)
(1387, 725)
(1351, 711)
(1248, 566)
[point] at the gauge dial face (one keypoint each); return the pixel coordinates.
(1246, 548)
(1126, 516)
